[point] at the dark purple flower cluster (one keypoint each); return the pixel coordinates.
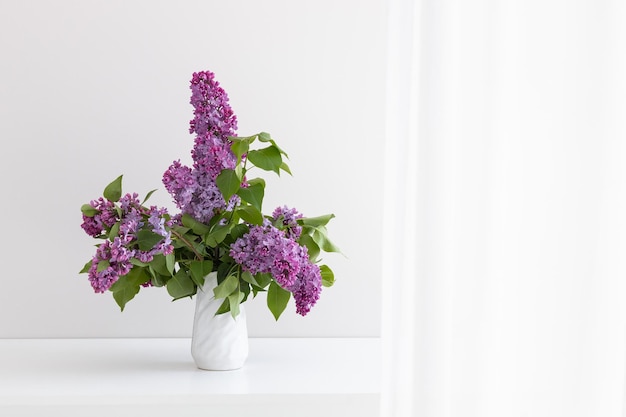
(105, 218)
(288, 220)
(193, 189)
(306, 291)
(113, 257)
(211, 109)
(116, 260)
(268, 249)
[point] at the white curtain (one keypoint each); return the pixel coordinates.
(504, 266)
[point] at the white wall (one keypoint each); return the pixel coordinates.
(93, 89)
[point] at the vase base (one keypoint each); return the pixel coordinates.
(218, 369)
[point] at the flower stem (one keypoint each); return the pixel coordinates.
(186, 242)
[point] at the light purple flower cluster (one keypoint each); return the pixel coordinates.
(113, 257)
(194, 189)
(268, 249)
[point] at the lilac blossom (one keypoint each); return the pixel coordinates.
(306, 291)
(212, 111)
(132, 219)
(288, 220)
(158, 223)
(105, 218)
(116, 258)
(257, 249)
(267, 249)
(113, 257)
(194, 189)
(180, 182)
(211, 154)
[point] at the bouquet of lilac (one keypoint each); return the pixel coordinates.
(220, 227)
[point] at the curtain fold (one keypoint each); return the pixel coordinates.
(505, 203)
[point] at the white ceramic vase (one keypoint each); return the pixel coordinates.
(219, 342)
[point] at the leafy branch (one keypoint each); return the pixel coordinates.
(187, 243)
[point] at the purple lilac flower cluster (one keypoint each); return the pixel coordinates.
(288, 219)
(268, 249)
(193, 189)
(107, 216)
(113, 257)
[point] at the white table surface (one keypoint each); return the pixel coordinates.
(118, 377)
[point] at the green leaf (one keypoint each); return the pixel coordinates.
(148, 196)
(316, 221)
(239, 172)
(181, 285)
(238, 231)
(250, 214)
(115, 230)
(89, 211)
(159, 280)
(256, 181)
(248, 139)
(180, 229)
(113, 191)
(240, 147)
(224, 308)
(217, 235)
(124, 296)
(86, 268)
(328, 277)
(263, 280)
(227, 286)
(159, 265)
(312, 248)
(170, 260)
(256, 290)
(324, 243)
(102, 265)
(137, 262)
(234, 299)
(244, 287)
(253, 194)
(249, 278)
(268, 159)
(197, 227)
(223, 270)
(265, 137)
(127, 286)
(147, 239)
(285, 168)
(228, 182)
(277, 299)
(199, 270)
